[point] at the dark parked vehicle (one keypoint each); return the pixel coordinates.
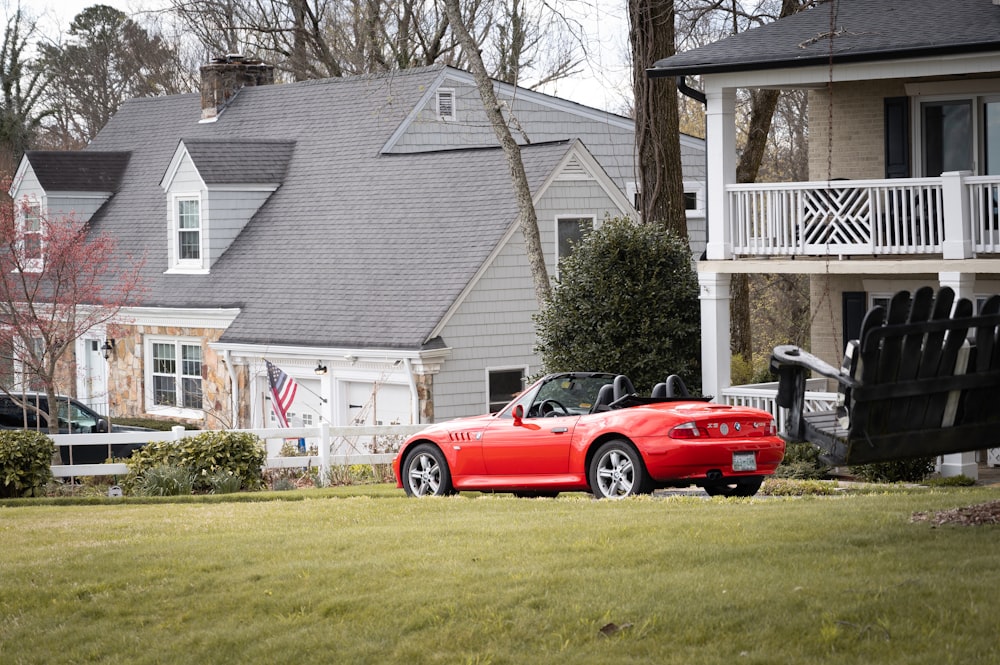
(74, 418)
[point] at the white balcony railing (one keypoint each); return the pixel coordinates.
(861, 217)
(764, 396)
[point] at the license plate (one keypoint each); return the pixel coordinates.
(744, 462)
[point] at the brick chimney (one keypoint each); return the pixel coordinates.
(222, 78)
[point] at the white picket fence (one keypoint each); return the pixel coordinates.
(335, 446)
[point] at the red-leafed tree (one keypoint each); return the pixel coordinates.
(58, 280)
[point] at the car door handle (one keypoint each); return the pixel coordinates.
(559, 430)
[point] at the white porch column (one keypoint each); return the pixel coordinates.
(715, 352)
(957, 227)
(964, 285)
(720, 146)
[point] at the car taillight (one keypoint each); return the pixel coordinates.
(685, 431)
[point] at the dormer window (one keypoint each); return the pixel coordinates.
(31, 234)
(189, 230)
(187, 234)
(445, 104)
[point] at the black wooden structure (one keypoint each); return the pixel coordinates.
(923, 379)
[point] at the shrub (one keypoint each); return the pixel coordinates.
(801, 462)
(25, 462)
(224, 482)
(205, 455)
(898, 471)
(951, 481)
(166, 480)
(626, 302)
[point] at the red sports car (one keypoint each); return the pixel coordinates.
(590, 431)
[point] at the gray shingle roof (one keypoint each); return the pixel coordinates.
(61, 171)
(864, 30)
(356, 248)
(240, 162)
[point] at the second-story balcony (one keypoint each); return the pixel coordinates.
(954, 216)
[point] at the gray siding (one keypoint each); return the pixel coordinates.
(493, 326)
(609, 139)
(226, 213)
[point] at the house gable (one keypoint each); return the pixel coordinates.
(67, 184)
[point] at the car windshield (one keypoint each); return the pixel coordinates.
(77, 417)
(576, 393)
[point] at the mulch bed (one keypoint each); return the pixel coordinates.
(983, 513)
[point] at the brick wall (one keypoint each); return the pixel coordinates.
(858, 129)
(827, 311)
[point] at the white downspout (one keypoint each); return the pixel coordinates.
(235, 392)
(414, 397)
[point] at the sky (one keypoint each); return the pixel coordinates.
(603, 83)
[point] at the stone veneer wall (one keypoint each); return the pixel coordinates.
(126, 377)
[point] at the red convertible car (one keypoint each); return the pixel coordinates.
(590, 431)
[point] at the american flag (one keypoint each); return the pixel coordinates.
(283, 388)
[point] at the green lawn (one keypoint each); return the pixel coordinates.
(493, 579)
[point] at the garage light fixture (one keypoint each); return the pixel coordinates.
(320, 368)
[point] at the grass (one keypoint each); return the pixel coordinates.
(376, 578)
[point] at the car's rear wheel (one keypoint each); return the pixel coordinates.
(616, 471)
(425, 472)
(736, 487)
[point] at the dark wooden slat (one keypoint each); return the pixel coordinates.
(980, 403)
(910, 356)
(930, 358)
(953, 341)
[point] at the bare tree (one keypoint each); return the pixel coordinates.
(661, 185)
(307, 39)
(21, 114)
(527, 219)
(56, 283)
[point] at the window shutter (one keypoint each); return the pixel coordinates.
(855, 307)
(897, 137)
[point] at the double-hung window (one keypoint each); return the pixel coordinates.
(189, 230)
(175, 374)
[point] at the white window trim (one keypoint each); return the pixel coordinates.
(698, 189)
(187, 266)
(437, 103)
(32, 265)
(147, 370)
(503, 368)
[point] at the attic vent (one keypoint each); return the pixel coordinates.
(574, 170)
(446, 104)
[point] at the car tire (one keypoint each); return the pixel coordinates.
(616, 471)
(425, 472)
(737, 487)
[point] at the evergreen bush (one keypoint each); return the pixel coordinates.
(626, 302)
(897, 471)
(205, 455)
(25, 462)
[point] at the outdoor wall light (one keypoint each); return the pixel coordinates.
(108, 348)
(320, 368)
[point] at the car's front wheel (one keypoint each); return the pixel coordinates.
(616, 471)
(736, 487)
(425, 472)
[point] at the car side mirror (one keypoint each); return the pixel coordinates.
(102, 425)
(518, 415)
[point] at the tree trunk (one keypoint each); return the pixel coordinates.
(657, 127)
(526, 208)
